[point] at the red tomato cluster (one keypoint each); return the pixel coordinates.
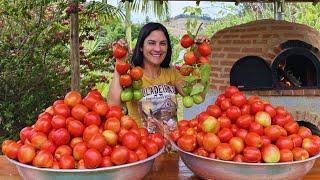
(82, 133)
(130, 78)
(236, 128)
(194, 61)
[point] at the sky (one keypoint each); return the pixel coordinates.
(176, 8)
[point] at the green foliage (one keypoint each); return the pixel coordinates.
(33, 66)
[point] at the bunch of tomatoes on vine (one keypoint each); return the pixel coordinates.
(236, 128)
(196, 69)
(130, 77)
(82, 133)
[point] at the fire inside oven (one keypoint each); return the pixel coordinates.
(296, 68)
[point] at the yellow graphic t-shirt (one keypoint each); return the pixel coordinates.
(159, 99)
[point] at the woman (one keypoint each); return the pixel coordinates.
(161, 82)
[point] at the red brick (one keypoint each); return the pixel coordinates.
(227, 63)
(214, 68)
(309, 92)
(282, 27)
(230, 36)
(260, 41)
(225, 75)
(249, 36)
(287, 92)
(252, 50)
(232, 49)
(242, 41)
(222, 88)
(294, 35)
(317, 92)
(218, 81)
(221, 55)
(235, 55)
(224, 41)
(298, 92)
(265, 36)
(238, 30)
(214, 49)
(257, 28)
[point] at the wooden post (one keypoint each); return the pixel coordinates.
(74, 45)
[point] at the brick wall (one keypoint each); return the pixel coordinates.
(259, 38)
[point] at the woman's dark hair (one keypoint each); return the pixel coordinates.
(137, 57)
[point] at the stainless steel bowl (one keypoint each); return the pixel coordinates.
(135, 170)
(208, 168)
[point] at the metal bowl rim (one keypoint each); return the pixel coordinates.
(87, 170)
(245, 163)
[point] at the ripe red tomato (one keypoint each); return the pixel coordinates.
(79, 111)
(251, 154)
(238, 158)
(112, 124)
(219, 99)
(270, 109)
(201, 152)
(92, 158)
(89, 132)
(256, 107)
(151, 147)
(120, 155)
(79, 150)
(231, 90)
(43, 125)
(210, 141)
(238, 99)
(225, 122)
(185, 70)
(97, 141)
(136, 73)
(270, 153)
(204, 49)
(158, 139)
(190, 58)
(286, 155)
(61, 109)
(214, 110)
(58, 121)
(43, 159)
(75, 128)
(127, 122)
(130, 140)
(203, 60)
(67, 162)
(61, 136)
(311, 146)
(101, 108)
(237, 144)
(246, 109)
(304, 132)
(299, 154)
(115, 111)
(256, 127)
(225, 134)
(244, 121)
(122, 67)
(281, 111)
(141, 153)
(233, 113)
(26, 153)
(10, 148)
(38, 139)
(125, 80)
(296, 139)
(225, 104)
(90, 100)
(133, 157)
(284, 143)
(253, 139)
(187, 143)
(224, 151)
(118, 51)
(91, 118)
(186, 41)
(273, 132)
(72, 98)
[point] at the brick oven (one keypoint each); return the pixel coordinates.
(277, 60)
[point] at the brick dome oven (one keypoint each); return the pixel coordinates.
(277, 60)
(268, 57)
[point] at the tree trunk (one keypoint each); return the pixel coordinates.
(74, 55)
(128, 24)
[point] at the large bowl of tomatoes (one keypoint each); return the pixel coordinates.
(136, 170)
(210, 168)
(239, 138)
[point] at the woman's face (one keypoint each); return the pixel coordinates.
(155, 48)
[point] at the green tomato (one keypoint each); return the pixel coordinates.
(137, 84)
(137, 95)
(126, 95)
(197, 99)
(187, 101)
(186, 90)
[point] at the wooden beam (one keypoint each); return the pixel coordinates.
(74, 44)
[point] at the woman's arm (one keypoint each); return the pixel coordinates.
(114, 90)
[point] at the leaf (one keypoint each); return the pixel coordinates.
(190, 79)
(103, 89)
(197, 88)
(205, 71)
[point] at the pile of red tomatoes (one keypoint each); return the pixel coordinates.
(236, 128)
(78, 132)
